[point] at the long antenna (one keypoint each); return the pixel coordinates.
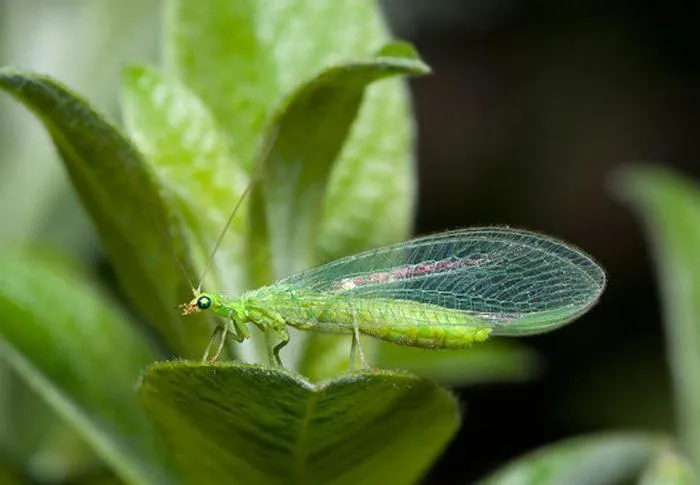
(164, 232)
(257, 170)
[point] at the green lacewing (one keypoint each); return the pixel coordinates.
(442, 291)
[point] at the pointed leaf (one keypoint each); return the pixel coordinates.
(244, 57)
(372, 187)
(669, 206)
(248, 424)
(311, 131)
(191, 156)
(119, 195)
(82, 357)
(605, 459)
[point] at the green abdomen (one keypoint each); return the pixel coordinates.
(399, 321)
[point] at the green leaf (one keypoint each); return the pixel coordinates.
(244, 57)
(191, 156)
(669, 468)
(33, 438)
(120, 196)
(591, 460)
(248, 424)
(71, 346)
(371, 191)
(496, 361)
(311, 130)
(8, 476)
(669, 207)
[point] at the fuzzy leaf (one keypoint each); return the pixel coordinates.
(82, 357)
(118, 193)
(248, 424)
(181, 139)
(244, 57)
(311, 130)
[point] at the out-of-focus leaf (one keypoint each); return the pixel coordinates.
(669, 468)
(243, 58)
(247, 424)
(62, 455)
(79, 354)
(179, 136)
(497, 361)
(120, 196)
(669, 207)
(604, 459)
(8, 476)
(24, 418)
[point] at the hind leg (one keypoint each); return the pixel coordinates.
(215, 333)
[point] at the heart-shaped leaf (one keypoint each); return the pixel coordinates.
(249, 424)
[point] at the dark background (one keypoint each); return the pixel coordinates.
(532, 107)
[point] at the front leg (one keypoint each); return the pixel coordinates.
(215, 333)
(238, 331)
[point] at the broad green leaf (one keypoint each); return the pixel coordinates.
(191, 156)
(248, 424)
(311, 130)
(372, 187)
(494, 361)
(669, 207)
(120, 196)
(78, 353)
(669, 468)
(605, 459)
(244, 57)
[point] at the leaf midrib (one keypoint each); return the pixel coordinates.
(300, 450)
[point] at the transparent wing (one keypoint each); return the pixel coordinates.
(496, 274)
